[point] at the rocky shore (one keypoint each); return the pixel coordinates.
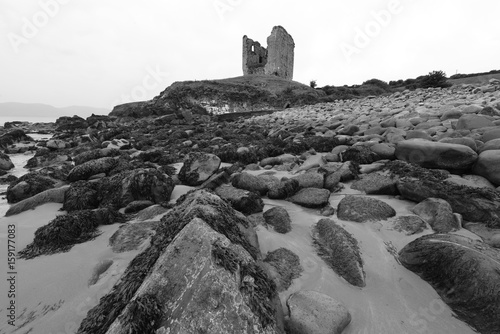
(376, 215)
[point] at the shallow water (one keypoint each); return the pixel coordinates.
(19, 161)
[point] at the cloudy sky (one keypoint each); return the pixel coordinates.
(104, 52)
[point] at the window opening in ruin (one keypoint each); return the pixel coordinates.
(253, 48)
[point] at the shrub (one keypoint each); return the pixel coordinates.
(435, 79)
(313, 83)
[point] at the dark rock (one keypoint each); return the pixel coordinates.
(438, 214)
(340, 250)
(362, 209)
(5, 162)
(28, 185)
(312, 312)
(95, 154)
(198, 167)
(81, 195)
(45, 158)
(244, 201)
(360, 154)
(464, 272)
(311, 197)
(285, 267)
(12, 137)
(284, 189)
(338, 172)
(131, 236)
(474, 204)
(279, 219)
(66, 123)
(146, 185)
(250, 182)
(223, 176)
(92, 167)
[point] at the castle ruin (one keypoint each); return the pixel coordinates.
(276, 60)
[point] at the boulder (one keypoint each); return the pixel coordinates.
(383, 150)
(361, 154)
(338, 172)
(92, 167)
(198, 167)
(376, 184)
(5, 162)
(310, 179)
(12, 137)
(312, 312)
(464, 272)
(470, 122)
(54, 195)
(81, 195)
(244, 201)
(28, 185)
(461, 141)
(491, 145)
(362, 209)
(488, 166)
(490, 135)
(436, 154)
(55, 144)
(281, 159)
(311, 197)
(438, 214)
(146, 184)
(279, 219)
(284, 266)
(340, 250)
(249, 182)
(284, 189)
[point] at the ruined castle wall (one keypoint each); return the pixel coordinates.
(280, 46)
(254, 57)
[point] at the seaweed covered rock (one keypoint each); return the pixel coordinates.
(212, 214)
(244, 201)
(284, 265)
(5, 162)
(464, 272)
(340, 250)
(279, 219)
(65, 231)
(94, 154)
(14, 136)
(376, 184)
(28, 185)
(198, 167)
(45, 158)
(360, 154)
(409, 224)
(250, 182)
(438, 214)
(92, 167)
(312, 312)
(362, 209)
(311, 197)
(137, 206)
(81, 195)
(474, 204)
(146, 184)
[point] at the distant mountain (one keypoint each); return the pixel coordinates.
(15, 109)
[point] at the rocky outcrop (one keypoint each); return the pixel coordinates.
(464, 272)
(340, 250)
(199, 274)
(312, 312)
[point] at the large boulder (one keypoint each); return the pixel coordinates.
(200, 250)
(28, 185)
(464, 272)
(54, 195)
(438, 214)
(198, 167)
(279, 219)
(340, 250)
(244, 201)
(377, 184)
(362, 209)
(283, 189)
(488, 166)
(311, 197)
(146, 184)
(312, 312)
(5, 162)
(14, 136)
(310, 179)
(284, 266)
(92, 167)
(471, 122)
(81, 195)
(436, 154)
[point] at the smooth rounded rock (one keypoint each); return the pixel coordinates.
(471, 122)
(488, 166)
(362, 209)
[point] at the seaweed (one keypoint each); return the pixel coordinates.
(143, 315)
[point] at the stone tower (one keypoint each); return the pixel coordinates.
(276, 60)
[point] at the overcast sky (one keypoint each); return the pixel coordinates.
(104, 52)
